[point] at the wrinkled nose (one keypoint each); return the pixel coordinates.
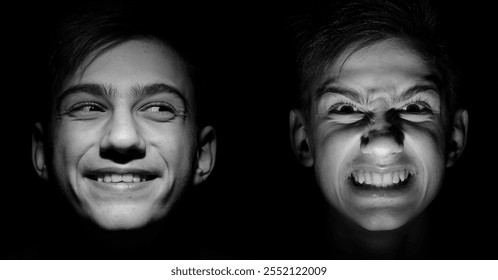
(382, 141)
(122, 140)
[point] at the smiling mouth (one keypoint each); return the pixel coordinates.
(375, 180)
(121, 178)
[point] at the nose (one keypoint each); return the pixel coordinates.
(122, 140)
(382, 141)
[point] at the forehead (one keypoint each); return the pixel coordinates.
(132, 63)
(387, 64)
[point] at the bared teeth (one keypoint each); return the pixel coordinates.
(376, 179)
(118, 178)
(396, 177)
(361, 177)
(380, 179)
(107, 178)
(368, 178)
(128, 178)
(402, 176)
(387, 179)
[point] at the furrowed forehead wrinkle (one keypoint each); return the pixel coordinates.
(328, 87)
(100, 90)
(140, 91)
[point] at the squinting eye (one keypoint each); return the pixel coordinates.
(343, 109)
(160, 111)
(85, 109)
(91, 108)
(417, 108)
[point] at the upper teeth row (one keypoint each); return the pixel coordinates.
(116, 178)
(380, 179)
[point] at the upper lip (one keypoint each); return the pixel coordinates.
(121, 171)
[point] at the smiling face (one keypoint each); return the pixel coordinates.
(376, 135)
(123, 139)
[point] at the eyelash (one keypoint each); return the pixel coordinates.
(419, 101)
(169, 107)
(333, 108)
(79, 107)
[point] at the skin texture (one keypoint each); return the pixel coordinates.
(127, 110)
(377, 111)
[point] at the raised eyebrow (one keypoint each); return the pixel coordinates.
(92, 89)
(157, 88)
(329, 88)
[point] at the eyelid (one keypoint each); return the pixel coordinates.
(425, 98)
(175, 113)
(79, 105)
(157, 104)
(78, 98)
(426, 106)
(341, 103)
(84, 104)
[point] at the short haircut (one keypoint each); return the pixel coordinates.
(101, 27)
(326, 31)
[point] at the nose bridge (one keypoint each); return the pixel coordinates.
(383, 138)
(122, 132)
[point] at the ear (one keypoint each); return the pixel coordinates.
(458, 136)
(206, 154)
(299, 138)
(38, 151)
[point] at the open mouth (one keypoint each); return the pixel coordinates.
(374, 180)
(120, 178)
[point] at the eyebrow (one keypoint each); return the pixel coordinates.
(327, 88)
(138, 91)
(92, 89)
(416, 89)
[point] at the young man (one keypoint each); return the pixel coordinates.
(123, 138)
(377, 118)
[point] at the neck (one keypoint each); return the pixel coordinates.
(357, 242)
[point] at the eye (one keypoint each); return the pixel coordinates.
(419, 107)
(90, 108)
(86, 110)
(343, 109)
(160, 111)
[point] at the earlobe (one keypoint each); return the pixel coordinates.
(458, 137)
(38, 151)
(206, 154)
(299, 138)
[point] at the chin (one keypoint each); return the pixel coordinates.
(121, 217)
(384, 222)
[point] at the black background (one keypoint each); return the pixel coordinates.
(258, 203)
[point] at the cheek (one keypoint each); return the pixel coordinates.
(427, 142)
(333, 147)
(70, 142)
(174, 142)
(333, 143)
(427, 145)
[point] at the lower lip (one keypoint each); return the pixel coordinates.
(382, 192)
(121, 187)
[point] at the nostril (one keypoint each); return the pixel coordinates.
(380, 145)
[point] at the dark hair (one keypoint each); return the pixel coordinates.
(102, 27)
(325, 31)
